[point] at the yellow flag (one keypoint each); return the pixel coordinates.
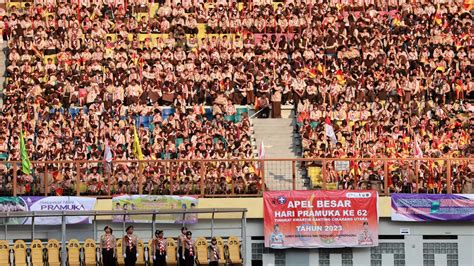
(136, 149)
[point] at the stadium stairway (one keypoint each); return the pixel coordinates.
(280, 141)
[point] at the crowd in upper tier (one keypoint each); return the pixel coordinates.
(392, 80)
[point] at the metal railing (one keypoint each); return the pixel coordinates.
(214, 177)
(95, 214)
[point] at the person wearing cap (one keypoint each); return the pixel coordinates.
(158, 249)
(181, 244)
(129, 247)
(188, 254)
(214, 253)
(107, 247)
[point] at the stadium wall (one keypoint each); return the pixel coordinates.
(445, 243)
(254, 206)
(423, 243)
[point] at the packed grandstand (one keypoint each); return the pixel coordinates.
(87, 80)
(145, 111)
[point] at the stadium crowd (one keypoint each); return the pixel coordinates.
(390, 80)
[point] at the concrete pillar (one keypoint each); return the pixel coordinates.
(361, 256)
(414, 250)
(465, 249)
(268, 259)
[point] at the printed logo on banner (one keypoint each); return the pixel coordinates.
(320, 219)
(281, 200)
(34, 203)
(435, 206)
(359, 195)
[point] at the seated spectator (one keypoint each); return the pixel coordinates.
(387, 77)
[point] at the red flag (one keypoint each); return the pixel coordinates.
(438, 19)
(59, 192)
(340, 77)
(327, 120)
(400, 92)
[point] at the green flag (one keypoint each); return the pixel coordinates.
(25, 161)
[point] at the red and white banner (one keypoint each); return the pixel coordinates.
(320, 218)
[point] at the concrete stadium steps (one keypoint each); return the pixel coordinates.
(280, 141)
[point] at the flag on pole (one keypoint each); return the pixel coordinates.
(330, 130)
(321, 69)
(25, 161)
(107, 153)
(418, 151)
(396, 20)
(261, 151)
(261, 156)
(340, 77)
(312, 73)
(438, 18)
(136, 149)
(108, 158)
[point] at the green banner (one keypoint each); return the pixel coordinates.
(149, 202)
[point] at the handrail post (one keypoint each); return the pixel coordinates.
(45, 179)
(78, 179)
(153, 225)
(448, 176)
(140, 178)
(232, 185)
(323, 174)
(244, 237)
(417, 173)
(385, 180)
(108, 175)
(168, 173)
(94, 222)
(63, 239)
(293, 172)
(203, 176)
(15, 179)
(33, 226)
(212, 223)
(262, 173)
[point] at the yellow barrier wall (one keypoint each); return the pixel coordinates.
(253, 205)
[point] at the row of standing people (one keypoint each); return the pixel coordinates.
(186, 250)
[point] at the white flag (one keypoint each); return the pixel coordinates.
(261, 151)
(330, 133)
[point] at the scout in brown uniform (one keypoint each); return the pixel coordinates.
(213, 254)
(129, 247)
(189, 250)
(107, 247)
(158, 249)
(182, 240)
